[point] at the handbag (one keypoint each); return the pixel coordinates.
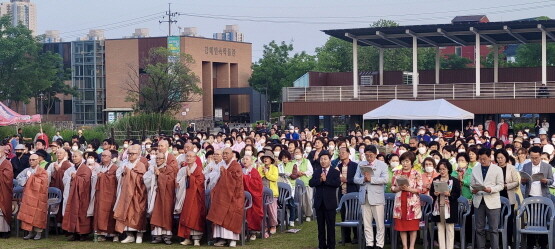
(295, 173)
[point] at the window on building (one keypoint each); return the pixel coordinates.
(458, 51)
(54, 108)
(68, 107)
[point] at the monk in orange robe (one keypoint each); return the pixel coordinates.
(77, 216)
(105, 197)
(227, 201)
(191, 221)
(57, 170)
(6, 193)
(160, 183)
(131, 202)
(34, 205)
(252, 182)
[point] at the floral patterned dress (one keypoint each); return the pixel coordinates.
(407, 210)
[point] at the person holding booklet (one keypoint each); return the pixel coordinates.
(407, 212)
(445, 191)
(372, 196)
(512, 186)
(487, 182)
(537, 176)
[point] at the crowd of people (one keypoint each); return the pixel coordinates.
(135, 187)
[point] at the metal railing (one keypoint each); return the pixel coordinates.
(502, 90)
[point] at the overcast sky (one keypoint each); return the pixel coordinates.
(299, 22)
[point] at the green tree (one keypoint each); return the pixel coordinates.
(453, 61)
(488, 62)
(277, 69)
(336, 55)
(530, 55)
(24, 70)
(164, 84)
(58, 76)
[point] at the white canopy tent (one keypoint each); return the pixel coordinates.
(439, 109)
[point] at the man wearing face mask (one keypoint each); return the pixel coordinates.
(347, 170)
(78, 181)
(21, 160)
(6, 191)
(292, 135)
(105, 196)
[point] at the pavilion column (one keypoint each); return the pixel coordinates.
(544, 57)
(477, 64)
(355, 68)
(438, 64)
(414, 67)
(495, 63)
(381, 66)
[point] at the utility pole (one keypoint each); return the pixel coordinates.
(170, 21)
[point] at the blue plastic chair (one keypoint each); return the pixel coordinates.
(426, 203)
(54, 200)
(284, 196)
(267, 199)
(352, 213)
(463, 212)
(17, 197)
(536, 216)
(300, 191)
(244, 227)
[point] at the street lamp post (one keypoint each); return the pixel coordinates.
(41, 97)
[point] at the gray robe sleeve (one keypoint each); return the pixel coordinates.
(181, 190)
(67, 184)
(151, 184)
(94, 179)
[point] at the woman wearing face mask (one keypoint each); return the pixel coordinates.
(307, 148)
(392, 161)
(249, 151)
(511, 188)
(270, 175)
(428, 176)
(304, 173)
(422, 153)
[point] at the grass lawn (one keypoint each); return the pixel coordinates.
(306, 238)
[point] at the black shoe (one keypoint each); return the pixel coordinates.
(83, 237)
(30, 235)
(168, 240)
(72, 237)
(355, 241)
(157, 240)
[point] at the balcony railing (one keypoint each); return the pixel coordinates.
(505, 90)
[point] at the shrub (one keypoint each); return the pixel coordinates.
(149, 122)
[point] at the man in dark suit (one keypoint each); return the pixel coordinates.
(325, 181)
(347, 170)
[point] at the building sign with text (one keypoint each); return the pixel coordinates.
(230, 52)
